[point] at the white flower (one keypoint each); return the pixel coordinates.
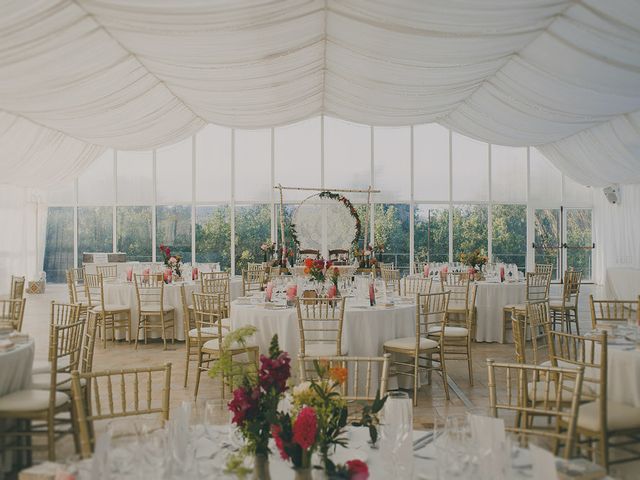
(301, 388)
(285, 404)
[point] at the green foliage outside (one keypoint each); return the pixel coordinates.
(173, 228)
(58, 253)
(134, 232)
(431, 234)
(509, 243)
(213, 234)
(469, 229)
(253, 226)
(392, 231)
(95, 230)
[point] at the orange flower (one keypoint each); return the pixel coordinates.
(308, 262)
(338, 374)
(307, 270)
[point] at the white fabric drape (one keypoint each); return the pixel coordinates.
(77, 76)
(617, 231)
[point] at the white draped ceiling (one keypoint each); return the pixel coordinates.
(79, 76)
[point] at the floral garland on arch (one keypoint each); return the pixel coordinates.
(347, 203)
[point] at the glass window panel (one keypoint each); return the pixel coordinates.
(253, 165)
(173, 172)
(545, 182)
(173, 229)
(509, 230)
(431, 162)
(431, 233)
(61, 194)
(95, 184)
(213, 235)
(392, 235)
(95, 230)
(579, 241)
(469, 229)
(576, 193)
(297, 157)
(213, 164)
(253, 227)
(508, 174)
(547, 237)
(133, 226)
(58, 249)
(135, 178)
(289, 210)
(392, 163)
(470, 169)
(347, 155)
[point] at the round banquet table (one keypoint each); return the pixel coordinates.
(623, 375)
(365, 328)
(124, 293)
(491, 298)
(15, 374)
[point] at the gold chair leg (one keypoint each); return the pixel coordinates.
(198, 373)
(470, 363)
(416, 373)
(51, 439)
(188, 356)
(129, 325)
(445, 379)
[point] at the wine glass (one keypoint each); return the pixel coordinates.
(396, 440)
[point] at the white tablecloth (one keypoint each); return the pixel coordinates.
(622, 283)
(490, 301)
(124, 293)
(364, 330)
(15, 367)
(623, 375)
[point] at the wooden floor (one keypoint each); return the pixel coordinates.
(430, 399)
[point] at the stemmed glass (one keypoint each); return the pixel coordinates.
(453, 449)
(397, 440)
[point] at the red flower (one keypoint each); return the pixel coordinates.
(308, 262)
(329, 263)
(274, 372)
(358, 470)
(276, 430)
(305, 428)
(244, 404)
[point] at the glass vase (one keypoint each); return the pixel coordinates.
(261, 467)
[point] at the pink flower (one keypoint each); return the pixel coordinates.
(274, 372)
(276, 430)
(305, 428)
(358, 470)
(244, 404)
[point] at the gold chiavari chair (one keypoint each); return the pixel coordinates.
(75, 281)
(459, 284)
(150, 297)
(17, 287)
(45, 413)
(613, 312)
(565, 310)
(391, 278)
(109, 272)
(218, 283)
(431, 312)
(415, 284)
(458, 329)
(12, 313)
(544, 268)
(600, 420)
(188, 323)
(61, 314)
(116, 394)
(109, 316)
(512, 399)
(366, 376)
(320, 322)
(537, 288)
(253, 279)
(210, 332)
(454, 278)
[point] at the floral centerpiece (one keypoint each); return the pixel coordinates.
(173, 262)
(475, 260)
(317, 269)
(268, 248)
(334, 278)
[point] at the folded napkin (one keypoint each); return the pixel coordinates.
(6, 345)
(19, 337)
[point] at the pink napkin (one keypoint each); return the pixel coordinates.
(129, 274)
(292, 292)
(445, 269)
(472, 272)
(194, 273)
(145, 274)
(269, 291)
(331, 293)
(168, 275)
(372, 294)
(502, 274)
(426, 270)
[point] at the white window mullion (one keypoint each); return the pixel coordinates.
(75, 223)
(193, 199)
(274, 234)
(153, 208)
(411, 206)
(490, 211)
(450, 196)
(372, 180)
(232, 213)
(114, 230)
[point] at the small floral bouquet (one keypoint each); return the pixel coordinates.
(475, 259)
(267, 249)
(317, 269)
(174, 262)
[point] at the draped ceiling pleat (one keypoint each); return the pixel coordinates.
(79, 76)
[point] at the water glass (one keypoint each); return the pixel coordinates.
(396, 442)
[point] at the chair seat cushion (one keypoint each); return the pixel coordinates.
(450, 331)
(323, 349)
(156, 308)
(557, 305)
(540, 394)
(205, 332)
(409, 343)
(213, 345)
(31, 400)
(619, 416)
(111, 307)
(44, 366)
(457, 307)
(520, 307)
(41, 381)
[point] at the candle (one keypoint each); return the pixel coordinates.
(291, 292)
(129, 274)
(372, 294)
